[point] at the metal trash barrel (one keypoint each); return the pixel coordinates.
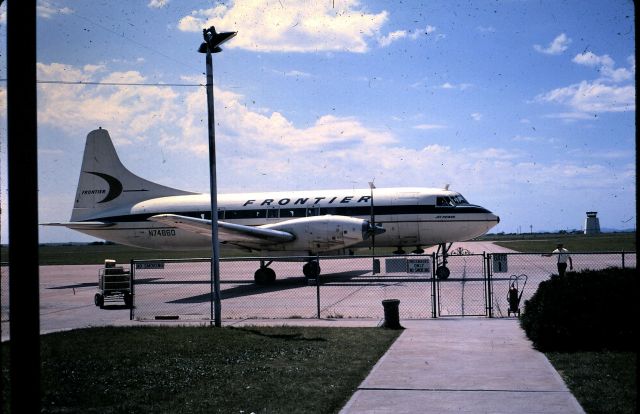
(391, 314)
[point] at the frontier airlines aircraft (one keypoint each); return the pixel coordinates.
(114, 204)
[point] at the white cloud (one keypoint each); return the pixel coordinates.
(496, 153)
(593, 97)
(297, 74)
(530, 139)
(486, 29)
(157, 4)
(429, 126)
(46, 10)
(427, 30)
(75, 107)
(588, 98)
(570, 116)
(436, 149)
(477, 116)
(556, 47)
(606, 66)
(139, 110)
(292, 25)
(458, 86)
(385, 41)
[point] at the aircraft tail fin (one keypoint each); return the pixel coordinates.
(106, 186)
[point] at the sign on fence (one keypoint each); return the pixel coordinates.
(418, 266)
(500, 263)
(150, 265)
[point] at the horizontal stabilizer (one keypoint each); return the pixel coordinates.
(81, 225)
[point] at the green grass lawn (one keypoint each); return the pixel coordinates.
(205, 370)
(537, 243)
(603, 382)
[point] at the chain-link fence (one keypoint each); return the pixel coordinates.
(478, 285)
(347, 288)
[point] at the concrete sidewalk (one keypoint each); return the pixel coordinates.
(463, 365)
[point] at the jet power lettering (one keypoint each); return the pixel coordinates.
(304, 201)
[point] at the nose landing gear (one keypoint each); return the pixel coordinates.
(442, 271)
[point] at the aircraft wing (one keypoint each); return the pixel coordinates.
(247, 236)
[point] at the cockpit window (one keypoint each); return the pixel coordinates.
(458, 200)
(452, 201)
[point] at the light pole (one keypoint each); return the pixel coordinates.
(372, 229)
(211, 44)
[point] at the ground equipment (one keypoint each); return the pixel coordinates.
(515, 293)
(114, 285)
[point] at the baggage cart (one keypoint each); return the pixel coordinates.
(114, 285)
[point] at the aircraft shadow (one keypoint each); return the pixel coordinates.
(248, 288)
(95, 285)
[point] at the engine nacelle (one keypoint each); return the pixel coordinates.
(324, 233)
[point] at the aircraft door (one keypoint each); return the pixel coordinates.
(405, 219)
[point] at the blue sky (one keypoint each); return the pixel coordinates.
(525, 107)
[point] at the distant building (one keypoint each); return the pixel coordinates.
(591, 223)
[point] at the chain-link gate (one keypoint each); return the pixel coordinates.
(466, 291)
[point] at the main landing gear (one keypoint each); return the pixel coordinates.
(311, 269)
(442, 271)
(266, 275)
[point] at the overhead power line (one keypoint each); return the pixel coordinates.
(116, 83)
(113, 83)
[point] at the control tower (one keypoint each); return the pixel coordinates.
(591, 223)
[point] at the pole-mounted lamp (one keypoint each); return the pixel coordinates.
(211, 44)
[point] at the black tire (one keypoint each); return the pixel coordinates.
(98, 299)
(264, 276)
(271, 274)
(443, 272)
(311, 270)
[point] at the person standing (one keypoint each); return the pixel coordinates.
(563, 257)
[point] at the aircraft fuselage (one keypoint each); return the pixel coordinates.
(410, 216)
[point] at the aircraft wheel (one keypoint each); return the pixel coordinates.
(311, 269)
(98, 299)
(264, 276)
(271, 274)
(443, 272)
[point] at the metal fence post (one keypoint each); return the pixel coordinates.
(132, 273)
(489, 287)
(623, 259)
(434, 299)
(318, 287)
